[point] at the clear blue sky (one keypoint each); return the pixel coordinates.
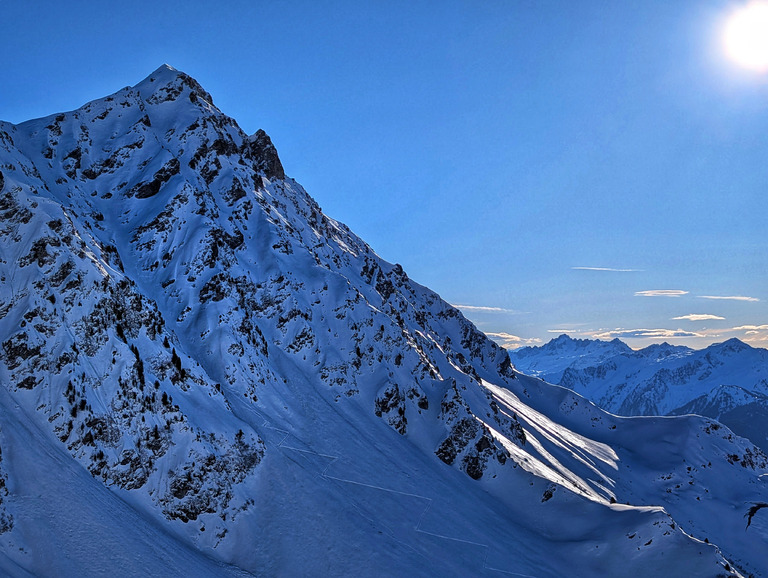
(490, 147)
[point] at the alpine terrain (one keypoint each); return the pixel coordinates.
(203, 374)
(726, 381)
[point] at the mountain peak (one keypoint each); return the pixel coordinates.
(733, 344)
(165, 69)
(564, 340)
(162, 75)
(167, 83)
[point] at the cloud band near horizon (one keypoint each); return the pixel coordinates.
(646, 334)
(509, 341)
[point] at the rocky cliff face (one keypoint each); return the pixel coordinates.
(181, 321)
(153, 216)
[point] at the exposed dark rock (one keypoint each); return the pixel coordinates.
(76, 155)
(391, 403)
(258, 148)
(162, 176)
(28, 382)
(39, 254)
(203, 485)
(17, 349)
(11, 211)
(461, 434)
(6, 519)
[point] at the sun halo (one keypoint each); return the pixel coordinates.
(746, 36)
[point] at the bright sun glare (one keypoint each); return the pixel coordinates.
(746, 36)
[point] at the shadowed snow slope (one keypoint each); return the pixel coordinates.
(203, 373)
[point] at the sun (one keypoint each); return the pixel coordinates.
(746, 36)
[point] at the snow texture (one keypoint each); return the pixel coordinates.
(203, 374)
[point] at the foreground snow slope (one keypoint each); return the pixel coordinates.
(212, 373)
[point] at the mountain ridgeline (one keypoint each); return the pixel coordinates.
(726, 381)
(204, 374)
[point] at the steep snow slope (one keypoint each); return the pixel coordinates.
(223, 376)
(726, 381)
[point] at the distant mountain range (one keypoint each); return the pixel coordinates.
(726, 381)
(202, 374)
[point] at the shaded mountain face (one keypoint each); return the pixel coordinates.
(204, 374)
(726, 381)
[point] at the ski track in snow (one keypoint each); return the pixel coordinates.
(417, 527)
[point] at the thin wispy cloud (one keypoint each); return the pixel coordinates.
(483, 309)
(729, 297)
(756, 335)
(698, 317)
(661, 293)
(646, 334)
(610, 269)
(577, 330)
(509, 341)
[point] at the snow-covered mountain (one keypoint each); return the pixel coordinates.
(203, 374)
(726, 381)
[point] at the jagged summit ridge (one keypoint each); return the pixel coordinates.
(181, 321)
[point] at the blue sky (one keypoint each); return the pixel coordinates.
(590, 167)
